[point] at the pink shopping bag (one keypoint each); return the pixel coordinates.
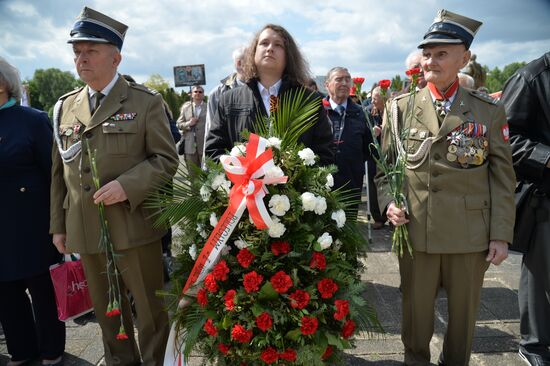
(71, 289)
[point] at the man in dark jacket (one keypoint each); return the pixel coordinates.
(351, 135)
(273, 66)
(526, 97)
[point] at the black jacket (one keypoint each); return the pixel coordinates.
(526, 98)
(25, 165)
(237, 111)
(354, 147)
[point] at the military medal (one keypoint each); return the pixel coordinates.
(468, 144)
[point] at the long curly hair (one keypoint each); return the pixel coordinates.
(296, 69)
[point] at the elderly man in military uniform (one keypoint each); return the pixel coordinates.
(459, 185)
(125, 123)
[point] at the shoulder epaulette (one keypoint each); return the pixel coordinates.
(400, 96)
(74, 91)
(484, 97)
(143, 88)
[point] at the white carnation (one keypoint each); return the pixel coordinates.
(325, 241)
(201, 231)
(238, 150)
(219, 181)
(225, 250)
(307, 155)
(274, 142)
(193, 251)
(308, 201)
(241, 244)
(320, 205)
(205, 193)
(277, 229)
(330, 181)
(274, 172)
(279, 204)
(213, 219)
(340, 218)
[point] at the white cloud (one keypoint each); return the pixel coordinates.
(370, 37)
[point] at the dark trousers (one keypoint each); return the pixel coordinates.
(534, 286)
(373, 199)
(31, 330)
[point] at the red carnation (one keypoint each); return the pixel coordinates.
(319, 261)
(224, 348)
(384, 84)
(328, 353)
(269, 355)
(348, 328)
(281, 282)
(326, 103)
(413, 71)
(280, 247)
(327, 288)
(308, 325)
(210, 328)
(358, 80)
(210, 283)
(230, 299)
(264, 321)
(121, 336)
(240, 334)
(245, 257)
(342, 309)
(299, 299)
(288, 355)
(221, 270)
(252, 281)
(202, 297)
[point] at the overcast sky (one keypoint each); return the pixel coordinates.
(370, 38)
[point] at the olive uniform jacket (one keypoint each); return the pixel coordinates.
(131, 137)
(193, 137)
(462, 195)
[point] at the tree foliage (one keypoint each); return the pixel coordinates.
(48, 85)
(172, 98)
(397, 83)
(157, 82)
(496, 78)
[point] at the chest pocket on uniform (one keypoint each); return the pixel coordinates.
(414, 139)
(119, 135)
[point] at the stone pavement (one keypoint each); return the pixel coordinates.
(497, 329)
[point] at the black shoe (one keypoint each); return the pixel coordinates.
(533, 359)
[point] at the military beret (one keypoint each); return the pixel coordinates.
(451, 28)
(93, 26)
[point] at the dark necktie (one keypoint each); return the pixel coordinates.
(273, 102)
(97, 101)
(337, 124)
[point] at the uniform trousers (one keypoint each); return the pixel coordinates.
(31, 330)
(461, 275)
(142, 275)
(534, 286)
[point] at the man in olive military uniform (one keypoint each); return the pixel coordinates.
(460, 192)
(126, 125)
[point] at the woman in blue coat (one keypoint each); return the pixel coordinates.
(26, 249)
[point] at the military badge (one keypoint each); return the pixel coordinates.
(468, 144)
(123, 116)
(505, 130)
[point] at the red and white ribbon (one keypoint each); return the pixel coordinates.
(247, 173)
